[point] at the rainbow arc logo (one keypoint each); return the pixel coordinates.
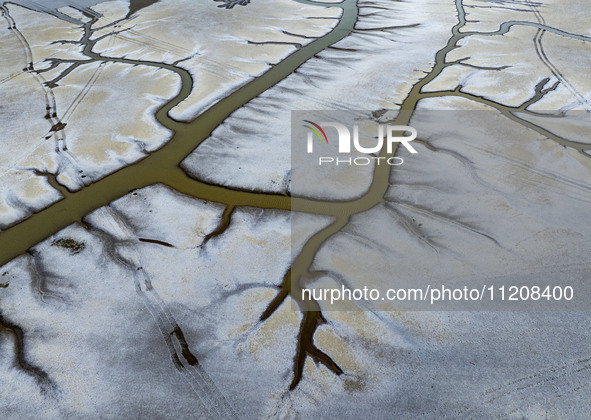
(315, 130)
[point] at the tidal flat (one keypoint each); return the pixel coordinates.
(157, 229)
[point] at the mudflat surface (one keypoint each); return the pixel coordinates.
(158, 229)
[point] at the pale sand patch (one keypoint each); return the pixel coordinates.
(41, 30)
(214, 42)
(114, 124)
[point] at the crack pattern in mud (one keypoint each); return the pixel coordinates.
(161, 166)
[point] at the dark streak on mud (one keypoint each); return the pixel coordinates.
(185, 351)
(229, 4)
(136, 5)
(221, 228)
(41, 377)
(156, 241)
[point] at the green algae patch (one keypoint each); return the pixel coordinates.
(70, 244)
